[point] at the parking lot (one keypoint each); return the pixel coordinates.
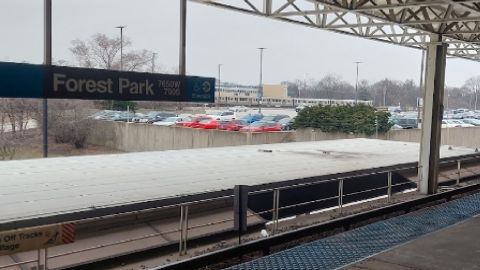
(238, 118)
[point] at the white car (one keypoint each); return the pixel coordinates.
(223, 115)
(238, 109)
(170, 121)
(451, 123)
(460, 123)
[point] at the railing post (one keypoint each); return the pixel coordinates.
(45, 259)
(459, 165)
(39, 256)
(276, 207)
(340, 195)
(183, 229)
(389, 189)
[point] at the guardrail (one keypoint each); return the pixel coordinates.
(43, 256)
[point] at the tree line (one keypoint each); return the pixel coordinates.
(386, 92)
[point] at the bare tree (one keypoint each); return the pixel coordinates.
(101, 51)
(473, 84)
(17, 113)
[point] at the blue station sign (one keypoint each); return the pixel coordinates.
(39, 81)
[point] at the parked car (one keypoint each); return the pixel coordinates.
(123, 117)
(406, 122)
(170, 121)
(234, 125)
(250, 118)
(262, 126)
(447, 124)
(471, 121)
(286, 123)
(274, 118)
(238, 109)
(192, 121)
(159, 116)
(459, 123)
(300, 107)
(223, 115)
(103, 115)
(207, 123)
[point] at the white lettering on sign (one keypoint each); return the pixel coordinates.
(81, 85)
(135, 88)
(170, 88)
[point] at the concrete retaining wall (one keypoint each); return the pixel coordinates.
(130, 137)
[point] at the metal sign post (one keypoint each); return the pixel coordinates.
(47, 62)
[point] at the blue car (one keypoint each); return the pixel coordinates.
(250, 118)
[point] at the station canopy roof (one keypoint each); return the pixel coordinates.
(408, 23)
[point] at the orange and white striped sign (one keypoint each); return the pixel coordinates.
(14, 241)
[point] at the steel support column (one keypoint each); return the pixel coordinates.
(182, 46)
(47, 60)
(432, 115)
(183, 38)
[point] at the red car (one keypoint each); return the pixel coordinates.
(191, 121)
(234, 125)
(207, 123)
(262, 126)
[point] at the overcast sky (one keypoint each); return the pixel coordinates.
(213, 36)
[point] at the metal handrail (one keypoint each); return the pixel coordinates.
(335, 179)
(306, 203)
(18, 263)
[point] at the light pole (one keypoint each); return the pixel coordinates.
(153, 62)
(385, 94)
(476, 98)
(219, 83)
(356, 83)
(121, 44)
(260, 86)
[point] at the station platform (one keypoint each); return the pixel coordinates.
(439, 237)
(455, 247)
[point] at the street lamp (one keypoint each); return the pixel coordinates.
(356, 83)
(219, 82)
(260, 86)
(121, 44)
(153, 62)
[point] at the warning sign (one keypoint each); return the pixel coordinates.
(36, 238)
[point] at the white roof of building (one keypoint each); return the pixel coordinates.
(46, 187)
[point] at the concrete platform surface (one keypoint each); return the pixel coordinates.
(456, 247)
(47, 187)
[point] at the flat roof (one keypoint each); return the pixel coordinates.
(46, 187)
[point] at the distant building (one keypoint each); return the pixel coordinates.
(275, 91)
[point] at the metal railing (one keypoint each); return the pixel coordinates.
(43, 257)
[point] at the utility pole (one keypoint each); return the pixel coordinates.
(260, 86)
(356, 83)
(384, 95)
(47, 6)
(121, 44)
(153, 62)
(182, 50)
(476, 98)
(219, 83)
